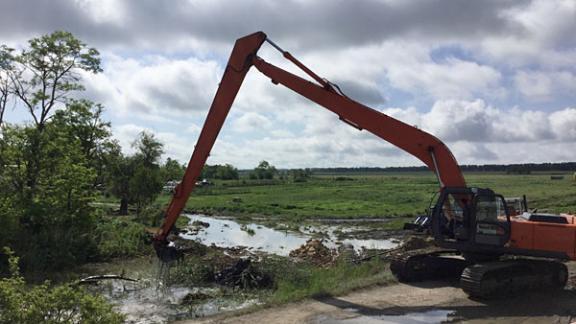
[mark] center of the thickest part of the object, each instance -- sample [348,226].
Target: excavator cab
[470,217]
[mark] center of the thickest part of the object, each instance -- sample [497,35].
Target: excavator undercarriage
[486,280]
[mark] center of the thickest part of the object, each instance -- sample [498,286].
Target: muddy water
[225,232]
[149,301]
[430,316]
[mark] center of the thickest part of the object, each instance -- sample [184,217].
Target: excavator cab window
[455,213]
[492,221]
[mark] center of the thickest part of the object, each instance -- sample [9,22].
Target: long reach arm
[420,144]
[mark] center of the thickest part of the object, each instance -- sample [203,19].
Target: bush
[22,303]
[117,237]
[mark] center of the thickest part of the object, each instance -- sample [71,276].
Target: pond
[226,232]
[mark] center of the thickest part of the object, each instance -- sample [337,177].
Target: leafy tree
[227,172]
[138,179]
[149,149]
[223,172]
[121,172]
[6,69]
[57,220]
[172,170]
[47,72]
[82,120]
[42,77]
[264,170]
[146,182]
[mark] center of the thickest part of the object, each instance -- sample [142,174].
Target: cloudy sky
[495,79]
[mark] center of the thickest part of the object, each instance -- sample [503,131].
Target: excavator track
[505,278]
[420,265]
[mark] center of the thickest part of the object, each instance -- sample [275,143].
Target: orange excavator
[499,249]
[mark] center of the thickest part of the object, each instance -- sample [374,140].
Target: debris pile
[195,298]
[198,223]
[243,274]
[195,227]
[314,251]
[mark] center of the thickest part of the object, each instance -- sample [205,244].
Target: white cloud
[155,86]
[543,35]
[475,132]
[250,122]
[451,68]
[563,124]
[454,120]
[544,85]
[475,121]
[453,79]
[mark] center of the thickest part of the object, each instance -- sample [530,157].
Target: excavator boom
[427,148]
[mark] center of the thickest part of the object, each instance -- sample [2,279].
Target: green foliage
[149,149]
[54,61]
[263,171]
[300,175]
[22,303]
[298,281]
[223,172]
[82,122]
[118,237]
[145,185]
[193,272]
[54,214]
[137,179]
[6,69]
[172,170]
[121,169]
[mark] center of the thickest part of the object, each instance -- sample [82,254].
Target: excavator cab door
[451,216]
[490,219]
[471,216]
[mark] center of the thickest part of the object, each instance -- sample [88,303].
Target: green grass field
[368,196]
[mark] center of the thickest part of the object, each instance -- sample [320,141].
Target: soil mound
[314,251]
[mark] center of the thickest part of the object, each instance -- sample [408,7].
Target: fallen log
[94,279]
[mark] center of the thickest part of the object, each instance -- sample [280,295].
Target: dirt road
[431,302]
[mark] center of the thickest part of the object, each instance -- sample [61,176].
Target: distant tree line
[222,172]
[509,168]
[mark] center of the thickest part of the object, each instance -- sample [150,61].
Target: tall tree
[146,182]
[137,179]
[172,170]
[149,148]
[42,77]
[121,171]
[82,120]
[6,69]
[264,170]
[48,71]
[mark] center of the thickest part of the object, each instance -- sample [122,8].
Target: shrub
[117,237]
[22,303]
